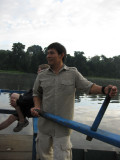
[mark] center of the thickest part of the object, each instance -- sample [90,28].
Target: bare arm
[37,103]
[96,89]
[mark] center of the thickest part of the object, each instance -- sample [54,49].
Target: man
[54,92]
[22,104]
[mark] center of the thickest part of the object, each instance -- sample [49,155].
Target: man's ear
[62,55]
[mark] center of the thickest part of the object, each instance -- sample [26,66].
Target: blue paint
[11,91]
[35,131]
[34,146]
[35,121]
[101,135]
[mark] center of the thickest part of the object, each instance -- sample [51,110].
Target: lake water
[86,109]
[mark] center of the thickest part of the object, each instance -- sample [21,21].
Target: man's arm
[37,103]
[96,89]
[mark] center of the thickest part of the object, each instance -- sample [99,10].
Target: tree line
[27,61]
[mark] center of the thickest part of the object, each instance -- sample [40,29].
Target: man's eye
[50,52]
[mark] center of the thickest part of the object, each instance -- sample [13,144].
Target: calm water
[86,109]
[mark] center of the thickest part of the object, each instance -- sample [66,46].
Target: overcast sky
[91,26]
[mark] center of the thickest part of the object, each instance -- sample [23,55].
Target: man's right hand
[34,112]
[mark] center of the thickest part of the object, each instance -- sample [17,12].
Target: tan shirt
[58,95]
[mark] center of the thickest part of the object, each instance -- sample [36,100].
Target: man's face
[53,57]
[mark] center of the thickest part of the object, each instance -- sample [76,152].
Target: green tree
[37,57]
[18,56]
[4,59]
[116,66]
[94,66]
[69,60]
[18,59]
[80,62]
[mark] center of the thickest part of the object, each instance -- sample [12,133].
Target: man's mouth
[50,59]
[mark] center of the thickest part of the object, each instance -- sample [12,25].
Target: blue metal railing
[11,91]
[99,134]
[35,131]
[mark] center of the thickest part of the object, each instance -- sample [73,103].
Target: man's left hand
[113,91]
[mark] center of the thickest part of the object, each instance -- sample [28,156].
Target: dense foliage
[28,61]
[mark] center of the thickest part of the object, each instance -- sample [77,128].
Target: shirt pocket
[67,86]
[46,86]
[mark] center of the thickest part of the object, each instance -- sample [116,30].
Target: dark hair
[59,48]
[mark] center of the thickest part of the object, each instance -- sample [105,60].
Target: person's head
[56,51]
[42,66]
[13,98]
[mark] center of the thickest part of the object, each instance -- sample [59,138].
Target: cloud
[87,25]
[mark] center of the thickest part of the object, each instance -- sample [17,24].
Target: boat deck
[19,147]
[16,147]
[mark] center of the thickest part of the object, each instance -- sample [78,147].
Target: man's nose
[48,55]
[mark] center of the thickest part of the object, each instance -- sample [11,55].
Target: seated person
[22,104]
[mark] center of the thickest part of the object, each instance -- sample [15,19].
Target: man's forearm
[96,89]
[37,101]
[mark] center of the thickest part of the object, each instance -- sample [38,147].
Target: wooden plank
[16,142]
[16,147]
[15,155]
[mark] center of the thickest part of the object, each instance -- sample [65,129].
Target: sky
[91,26]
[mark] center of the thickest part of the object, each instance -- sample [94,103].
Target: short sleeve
[81,83]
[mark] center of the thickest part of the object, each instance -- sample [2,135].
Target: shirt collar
[65,67]
[62,69]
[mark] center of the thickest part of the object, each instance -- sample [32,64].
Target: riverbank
[19,72]
[11,72]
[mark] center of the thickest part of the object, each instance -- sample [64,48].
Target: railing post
[34,147]
[35,130]
[99,115]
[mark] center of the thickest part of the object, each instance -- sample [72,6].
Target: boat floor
[16,147]
[19,147]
